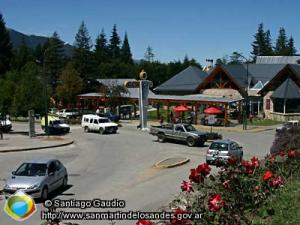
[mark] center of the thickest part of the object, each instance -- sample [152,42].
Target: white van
[98,124]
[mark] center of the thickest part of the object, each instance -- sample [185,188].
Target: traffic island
[172,162]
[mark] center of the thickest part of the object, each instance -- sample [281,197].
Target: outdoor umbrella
[212,110]
[181,108]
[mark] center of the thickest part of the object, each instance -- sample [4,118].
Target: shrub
[286,139]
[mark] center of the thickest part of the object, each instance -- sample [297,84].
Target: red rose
[203,169]
[249,166]
[267,175]
[215,203]
[276,182]
[187,186]
[255,161]
[281,154]
[144,222]
[291,154]
[232,161]
[226,184]
[177,219]
[195,176]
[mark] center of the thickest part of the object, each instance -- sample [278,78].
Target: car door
[52,179]
[96,125]
[60,173]
[180,133]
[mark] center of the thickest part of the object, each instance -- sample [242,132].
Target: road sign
[132,84]
[211,119]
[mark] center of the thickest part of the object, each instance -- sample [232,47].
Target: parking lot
[121,166]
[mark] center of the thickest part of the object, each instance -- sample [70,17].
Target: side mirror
[51,174]
[13,172]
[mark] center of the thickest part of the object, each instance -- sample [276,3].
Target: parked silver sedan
[37,178]
[220,151]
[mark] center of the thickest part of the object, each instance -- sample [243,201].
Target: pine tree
[126,55]
[149,55]
[54,56]
[281,47]
[22,55]
[101,49]
[82,53]
[5,47]
[114,44]
[262,44]
[291,48]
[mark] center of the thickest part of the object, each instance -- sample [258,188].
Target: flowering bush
[234,195]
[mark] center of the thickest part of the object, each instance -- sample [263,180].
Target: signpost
[143,86]
[211,119]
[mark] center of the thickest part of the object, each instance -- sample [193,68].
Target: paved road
[121,166]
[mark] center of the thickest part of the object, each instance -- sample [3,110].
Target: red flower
[144,222]
[291,154]
[232,161]
[267,175]
[257,188]
[195,177]
[281,154]
[203,169]
[177,218]
[276,182]
[187,186]
[272,159]
[249,166]
[255,161]
[215,203]
[226,184]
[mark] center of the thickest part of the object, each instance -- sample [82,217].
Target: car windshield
[219,146]
[31,169]
[104,121]
[189,128]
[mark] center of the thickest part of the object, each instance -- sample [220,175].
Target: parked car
[37,178]
[288,125]
[98,124]
[112,117]
[181,132]
[5,123]
[68,113]
[55,125]
[220,151]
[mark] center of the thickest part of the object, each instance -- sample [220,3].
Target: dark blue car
[112,117]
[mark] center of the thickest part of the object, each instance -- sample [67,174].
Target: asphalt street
[121,166]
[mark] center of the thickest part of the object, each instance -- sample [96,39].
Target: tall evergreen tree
[101,49]
[114,44]
[281,47]
[54,56]
[291,48]
[5,47]
[149,55]
[22,55]
[262,44]
[82,53]
[126,55]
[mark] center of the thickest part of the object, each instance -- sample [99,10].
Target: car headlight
[34,186]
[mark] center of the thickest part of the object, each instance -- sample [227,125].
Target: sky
[173,28]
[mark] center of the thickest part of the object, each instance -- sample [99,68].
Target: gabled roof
[287,90]
[187,80]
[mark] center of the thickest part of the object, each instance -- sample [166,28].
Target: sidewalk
[19,142]
[237,128]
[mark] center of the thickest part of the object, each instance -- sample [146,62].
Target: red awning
[181,108]
[213,110]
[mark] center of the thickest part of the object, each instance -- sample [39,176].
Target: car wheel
[161,138]
[190,141]
[65,182]
[86,129]
[101,130]
[44,194]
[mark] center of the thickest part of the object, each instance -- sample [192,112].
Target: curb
[37,148]
[186,160]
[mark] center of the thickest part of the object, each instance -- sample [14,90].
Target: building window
[268,104]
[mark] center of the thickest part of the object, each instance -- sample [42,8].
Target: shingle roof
[186,80]
[277,59]
[288,89]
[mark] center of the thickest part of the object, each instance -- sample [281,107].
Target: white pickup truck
[68,113]
[98,124]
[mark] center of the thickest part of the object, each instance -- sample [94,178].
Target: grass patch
[265,122]
[284,206]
